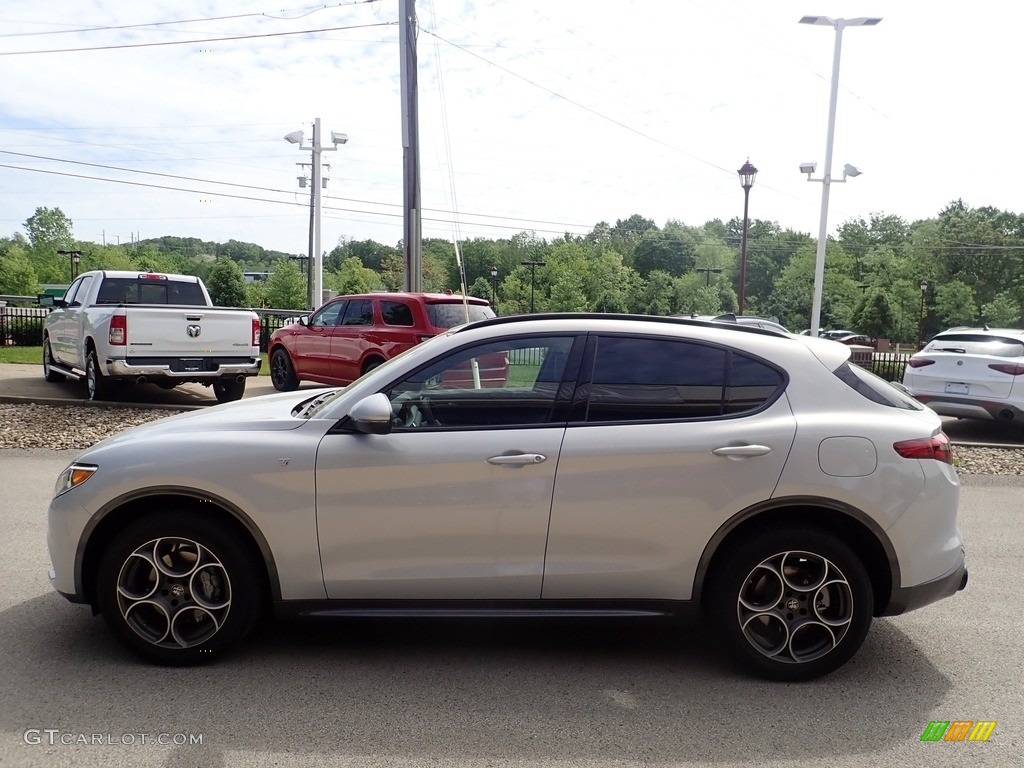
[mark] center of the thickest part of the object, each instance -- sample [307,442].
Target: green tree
[1003,311]
[955,304]
[873,315]
[286,287]
[50,229]
[352,277]
[17,275]
[227,285]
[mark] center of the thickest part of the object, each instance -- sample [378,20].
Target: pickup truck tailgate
[171,331]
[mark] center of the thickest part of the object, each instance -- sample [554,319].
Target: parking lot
[416,693]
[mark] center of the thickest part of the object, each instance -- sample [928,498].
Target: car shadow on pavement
[432,690]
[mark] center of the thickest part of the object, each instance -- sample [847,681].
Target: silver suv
[625,466]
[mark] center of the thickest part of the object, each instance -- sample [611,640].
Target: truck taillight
[119,330]
[936,447]
[255,331]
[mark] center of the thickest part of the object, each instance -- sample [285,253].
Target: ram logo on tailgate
[193,331]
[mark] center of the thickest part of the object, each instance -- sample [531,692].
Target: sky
[544,116]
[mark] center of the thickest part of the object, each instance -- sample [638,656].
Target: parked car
[854,339]
[629,467]
[971,373]
[350,335]
[116,326]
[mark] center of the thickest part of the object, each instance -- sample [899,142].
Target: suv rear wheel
[792,604]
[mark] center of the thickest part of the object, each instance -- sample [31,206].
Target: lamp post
[920,317]
[533,270]
[808,168]
[747,174]
[315,291]
[707,271]
[76,258]
[494,287]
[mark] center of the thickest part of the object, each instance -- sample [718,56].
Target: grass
[34,356]
[27,355]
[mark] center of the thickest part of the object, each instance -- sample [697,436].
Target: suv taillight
[920,362]
[255,331]
[936,447]
[118,335]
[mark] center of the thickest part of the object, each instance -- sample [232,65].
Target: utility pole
[411,214]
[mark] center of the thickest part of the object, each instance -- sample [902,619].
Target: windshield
[448,314]
[875,388]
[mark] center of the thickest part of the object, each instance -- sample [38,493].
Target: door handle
[518,459]
[742,450]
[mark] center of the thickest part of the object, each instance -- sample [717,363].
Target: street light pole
[826,179]
[316,265]
[533,267]
[747,175]
[920,317]
[494,287]
[707,271]
[76,258]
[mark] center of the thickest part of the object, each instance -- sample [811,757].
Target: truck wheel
[49,373]
[179,589]
[96,383]
[282,372]
[228,390]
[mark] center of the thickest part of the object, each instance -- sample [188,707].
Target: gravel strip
[61,428]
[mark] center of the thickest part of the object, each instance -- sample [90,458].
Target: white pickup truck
[148,327]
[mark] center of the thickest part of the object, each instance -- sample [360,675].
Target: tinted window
[506,383]
[976,344]
[875,388]
[452,313]
[751,383]
[646,379]
[359,312]
[396,313]
[328,315]
[133,290]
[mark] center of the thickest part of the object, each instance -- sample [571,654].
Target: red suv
[350,335]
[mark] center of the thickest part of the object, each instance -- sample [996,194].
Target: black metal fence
[889,365]
[23,327]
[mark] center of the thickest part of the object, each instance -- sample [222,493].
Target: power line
[199,40]
[309,12]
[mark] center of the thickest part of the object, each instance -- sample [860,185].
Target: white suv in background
[973,373]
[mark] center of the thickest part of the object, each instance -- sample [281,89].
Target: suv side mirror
[372,415]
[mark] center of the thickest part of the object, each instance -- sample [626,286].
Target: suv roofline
[661,319]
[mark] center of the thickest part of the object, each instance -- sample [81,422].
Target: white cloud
[558,115]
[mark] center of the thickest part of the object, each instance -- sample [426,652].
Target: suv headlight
[72,477]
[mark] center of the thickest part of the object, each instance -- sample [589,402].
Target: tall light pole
[707,271]
[316,262]
[920,316]
[747,175]
[76,258]
[808,168]
[533,267]
[494,287]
